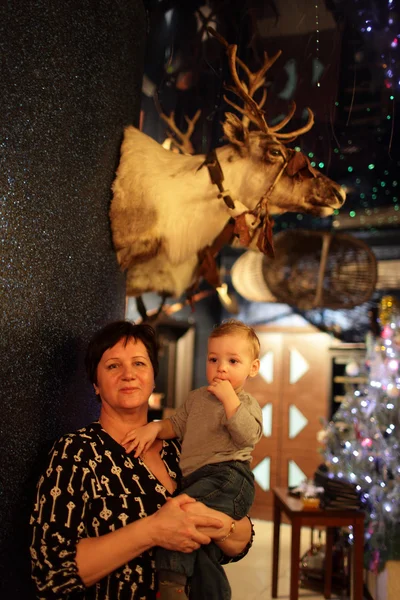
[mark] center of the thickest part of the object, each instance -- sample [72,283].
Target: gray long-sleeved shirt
[209,437]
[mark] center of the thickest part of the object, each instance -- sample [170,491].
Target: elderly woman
[99,511]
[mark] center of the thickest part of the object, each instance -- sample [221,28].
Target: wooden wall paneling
[299,385]
[305,395]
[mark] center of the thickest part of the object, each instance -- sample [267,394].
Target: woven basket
[318,269]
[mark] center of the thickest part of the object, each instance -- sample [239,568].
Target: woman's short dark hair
[111,334]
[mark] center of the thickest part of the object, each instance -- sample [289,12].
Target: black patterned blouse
[92,487]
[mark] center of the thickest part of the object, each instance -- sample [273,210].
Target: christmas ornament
[352,369]
[392,391]
[389,308]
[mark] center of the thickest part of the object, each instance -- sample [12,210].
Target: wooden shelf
[348,379]
[341,355]
[339,399]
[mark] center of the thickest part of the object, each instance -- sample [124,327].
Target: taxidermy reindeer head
[167,208]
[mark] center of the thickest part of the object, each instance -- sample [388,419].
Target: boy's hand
[223,390]
[140,439]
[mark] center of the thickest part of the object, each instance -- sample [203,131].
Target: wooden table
[299,517]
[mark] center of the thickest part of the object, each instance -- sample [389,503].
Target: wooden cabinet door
[305,400]
[292,388]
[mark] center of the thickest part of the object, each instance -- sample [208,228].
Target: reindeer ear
[234,130]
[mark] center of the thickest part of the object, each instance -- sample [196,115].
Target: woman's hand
[237,540]
[170,527]
[141,439]
[175,528]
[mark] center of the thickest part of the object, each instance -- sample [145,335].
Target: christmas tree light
[361,445]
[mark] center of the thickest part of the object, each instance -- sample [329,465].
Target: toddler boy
[219,425]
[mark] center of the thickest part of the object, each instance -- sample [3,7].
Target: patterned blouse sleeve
[57,520]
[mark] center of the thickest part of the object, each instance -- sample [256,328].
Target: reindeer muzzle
[299,167]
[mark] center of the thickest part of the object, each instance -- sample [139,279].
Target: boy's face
[231,357]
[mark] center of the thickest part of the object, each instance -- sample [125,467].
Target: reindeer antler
[185,145]
[252,111]
[256,79]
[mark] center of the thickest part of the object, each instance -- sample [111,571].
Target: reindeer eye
[274,153]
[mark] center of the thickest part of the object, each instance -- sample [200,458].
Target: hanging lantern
[248,279]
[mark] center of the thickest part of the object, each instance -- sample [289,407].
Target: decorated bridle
[257,221]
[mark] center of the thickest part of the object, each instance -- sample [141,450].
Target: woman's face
[125,377]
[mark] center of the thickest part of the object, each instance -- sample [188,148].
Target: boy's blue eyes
[233,361]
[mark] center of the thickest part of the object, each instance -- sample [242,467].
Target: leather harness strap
[207,266]
[217,177]
[296,165]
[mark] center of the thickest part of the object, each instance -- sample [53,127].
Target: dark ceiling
[340,58]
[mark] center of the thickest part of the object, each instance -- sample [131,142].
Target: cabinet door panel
[294,392]
[304,402]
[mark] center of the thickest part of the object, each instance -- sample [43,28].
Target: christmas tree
[361,444]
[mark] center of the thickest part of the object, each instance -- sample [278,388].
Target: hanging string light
[317,41]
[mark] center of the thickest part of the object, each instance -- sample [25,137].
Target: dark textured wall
[70,80]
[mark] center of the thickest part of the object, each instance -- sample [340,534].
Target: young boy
[219,425]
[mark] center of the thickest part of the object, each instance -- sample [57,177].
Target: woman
[99,511]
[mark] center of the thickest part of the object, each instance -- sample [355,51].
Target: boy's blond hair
[235,327]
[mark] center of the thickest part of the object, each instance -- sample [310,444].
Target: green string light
[350,169]
[371,166]
[321,165]
[352,213]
